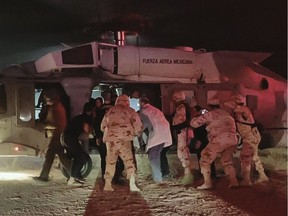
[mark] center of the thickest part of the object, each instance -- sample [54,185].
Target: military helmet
[123,100]
[239,99]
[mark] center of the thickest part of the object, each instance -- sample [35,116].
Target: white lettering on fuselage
[183,61]
[150,61]
[166,61]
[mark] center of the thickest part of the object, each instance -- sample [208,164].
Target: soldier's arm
[199,121]
[242,112]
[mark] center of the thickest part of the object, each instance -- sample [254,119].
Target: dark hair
[92,100]
[88,107]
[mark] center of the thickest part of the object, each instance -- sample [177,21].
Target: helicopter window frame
[3,101]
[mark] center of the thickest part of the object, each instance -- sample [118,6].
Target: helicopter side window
[3,99]
[25,113]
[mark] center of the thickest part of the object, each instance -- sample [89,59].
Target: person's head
[235,100]
[135,94]
[178,96]
[143,101]
[106,96]
[99,101]
[122,100]
[88,108]
[113,99]
[52,96]
[239,99]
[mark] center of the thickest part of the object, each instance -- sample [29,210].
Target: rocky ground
[27,197]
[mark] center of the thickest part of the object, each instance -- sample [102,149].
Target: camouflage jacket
[217,122]
[121,123]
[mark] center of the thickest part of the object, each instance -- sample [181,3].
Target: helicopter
[90,70]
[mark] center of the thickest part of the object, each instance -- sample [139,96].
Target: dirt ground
[27,197]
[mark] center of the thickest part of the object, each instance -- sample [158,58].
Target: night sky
[31,28]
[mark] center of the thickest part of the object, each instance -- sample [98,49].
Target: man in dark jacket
[80,125]
[58,121]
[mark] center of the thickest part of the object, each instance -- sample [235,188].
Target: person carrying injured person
[250,137]
[183,133]
[120,124]
[221,132]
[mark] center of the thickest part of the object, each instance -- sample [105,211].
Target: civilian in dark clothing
[200,140]
[80,125]
[59,121]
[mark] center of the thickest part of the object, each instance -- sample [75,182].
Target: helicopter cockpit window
[81,55]
[3,99]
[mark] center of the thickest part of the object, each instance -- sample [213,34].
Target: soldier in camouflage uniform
[180,124]
[250,138]
[120,124]
[221,131]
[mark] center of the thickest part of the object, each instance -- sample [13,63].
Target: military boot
[232,177]
[207,181]
[108,186]
[246,179]
[262,178]
[186,179]
[132,184]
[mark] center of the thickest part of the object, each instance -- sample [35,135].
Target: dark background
[30,28]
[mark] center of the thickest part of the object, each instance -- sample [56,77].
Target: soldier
[180,125]
[120,124]
[250,137]
[221,131]
[100,111]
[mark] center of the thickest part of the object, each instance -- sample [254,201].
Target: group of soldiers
[121,124]
[223,126]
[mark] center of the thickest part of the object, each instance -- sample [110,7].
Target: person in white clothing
[159,135]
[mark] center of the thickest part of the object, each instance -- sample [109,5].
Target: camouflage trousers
[124,150]
[224,145]
[249,151]
[183,152]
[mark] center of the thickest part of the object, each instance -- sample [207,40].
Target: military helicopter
[88,70]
